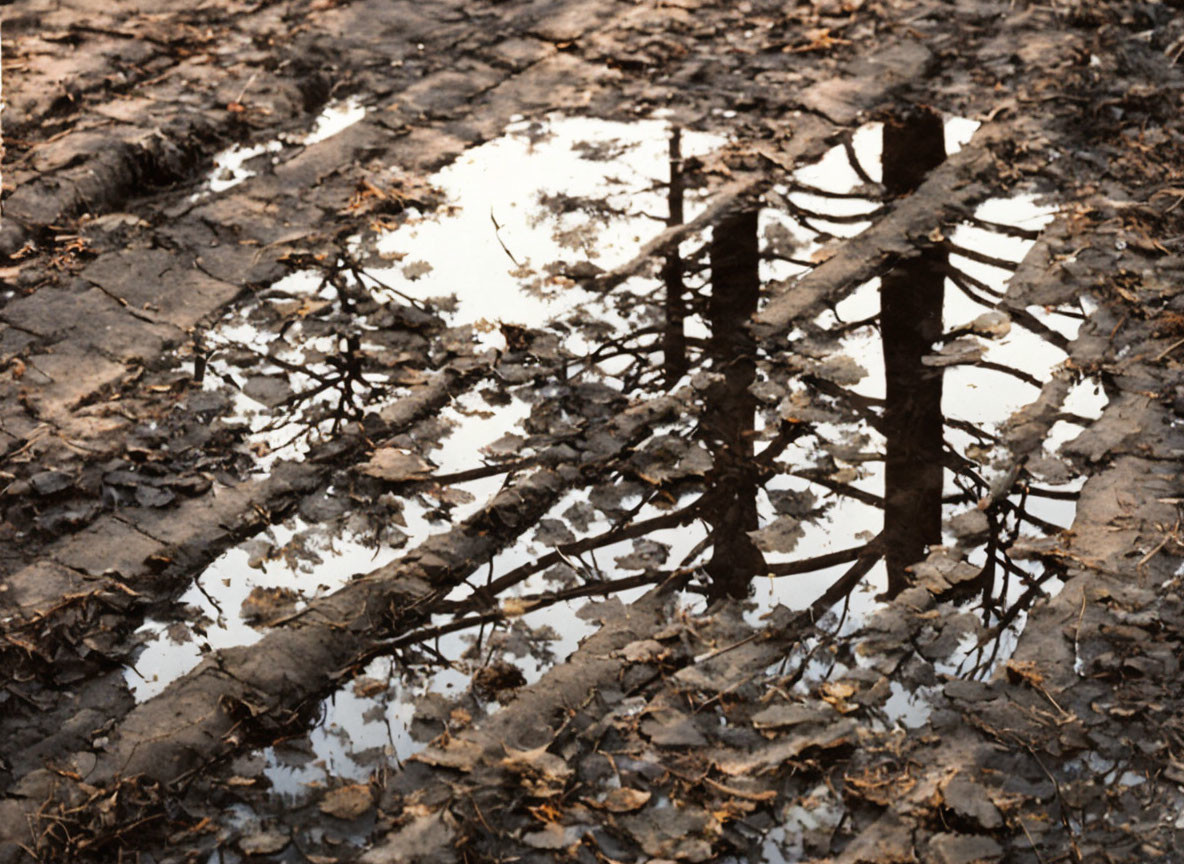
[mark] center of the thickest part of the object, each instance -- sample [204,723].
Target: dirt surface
[601,431]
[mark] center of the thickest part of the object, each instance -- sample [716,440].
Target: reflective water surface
[840,454]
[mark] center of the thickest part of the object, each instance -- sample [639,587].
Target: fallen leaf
[263,843]
[961,351]
[624,800]
[553,836]
[364,688]
[452,753]
[347,802]
[513,607]
[777,752]
[645,651]
[1024,670]
[543,774]
[993,324]
[460,717]
[266,604]
[396,465]
[784,715]
[780,535]
[836,693]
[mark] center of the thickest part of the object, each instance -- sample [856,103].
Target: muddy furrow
[177,86]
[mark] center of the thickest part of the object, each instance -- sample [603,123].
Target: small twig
[497,233]
[1166,351]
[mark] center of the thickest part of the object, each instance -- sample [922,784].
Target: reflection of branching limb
[358,274]
[852,326]
[1057,494]
[533,602]
[802,214]
[839,589]
[969,284]
[971,429]
[277,361]
[349,374]
[789,259]
[1018,374]
[484,471]
[1023,515]
[980,257]
[965,288]
[1023,575]
[830,559]
[787,433]
[817,476]
[995,633]
[497,232]
[1000,228]
[964,470]
[628,531]
[863,406]
[799,186]
[853,160]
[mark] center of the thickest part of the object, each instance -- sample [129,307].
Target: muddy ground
[603,431]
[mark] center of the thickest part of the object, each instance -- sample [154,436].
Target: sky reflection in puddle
[529,211]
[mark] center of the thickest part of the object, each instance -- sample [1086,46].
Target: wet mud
[518,465]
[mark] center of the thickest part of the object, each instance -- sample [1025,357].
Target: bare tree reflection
[910,322]
[730,411]
[674,340]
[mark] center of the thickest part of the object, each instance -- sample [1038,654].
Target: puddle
[858,444]
[794,516]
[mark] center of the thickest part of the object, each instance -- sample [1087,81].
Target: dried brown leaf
[347,802]
[396,465]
